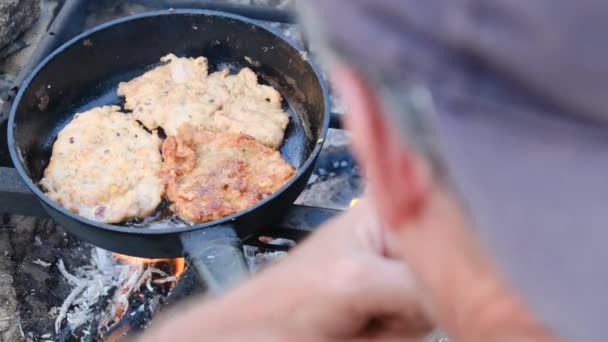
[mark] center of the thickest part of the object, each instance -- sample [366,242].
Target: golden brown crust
[211,175]
[105,167]
[251,109]
[181,92]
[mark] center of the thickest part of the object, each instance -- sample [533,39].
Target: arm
[335,286]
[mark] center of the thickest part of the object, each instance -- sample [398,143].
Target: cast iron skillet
[85,73]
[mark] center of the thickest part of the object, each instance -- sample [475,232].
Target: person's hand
[339,285]
[335,286]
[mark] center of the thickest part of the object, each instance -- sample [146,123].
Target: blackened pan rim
[15,154]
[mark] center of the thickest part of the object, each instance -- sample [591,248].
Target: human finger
[384,292]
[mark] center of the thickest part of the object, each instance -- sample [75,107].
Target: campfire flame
[179,264]
[134,281]
[141,274]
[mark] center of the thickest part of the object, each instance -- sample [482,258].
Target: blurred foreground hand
[336,286]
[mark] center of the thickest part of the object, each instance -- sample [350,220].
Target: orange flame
[179,264]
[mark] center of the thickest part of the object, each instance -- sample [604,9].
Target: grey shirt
[521,89]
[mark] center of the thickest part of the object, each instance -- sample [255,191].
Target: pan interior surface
[86,74]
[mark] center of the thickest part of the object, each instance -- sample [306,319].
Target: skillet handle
[217,256]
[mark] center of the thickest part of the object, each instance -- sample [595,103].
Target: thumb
[391,299]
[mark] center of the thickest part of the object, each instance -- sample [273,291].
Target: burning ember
[145,271]
[113,289]
[178,264]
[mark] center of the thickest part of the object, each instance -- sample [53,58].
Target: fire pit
[54,287]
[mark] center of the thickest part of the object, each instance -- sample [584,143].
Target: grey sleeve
[516,81]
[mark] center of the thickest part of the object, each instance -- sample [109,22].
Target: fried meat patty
[251,108]
[209,175]
[181,91]
[105,167]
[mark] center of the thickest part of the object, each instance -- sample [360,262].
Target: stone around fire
[15,17]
